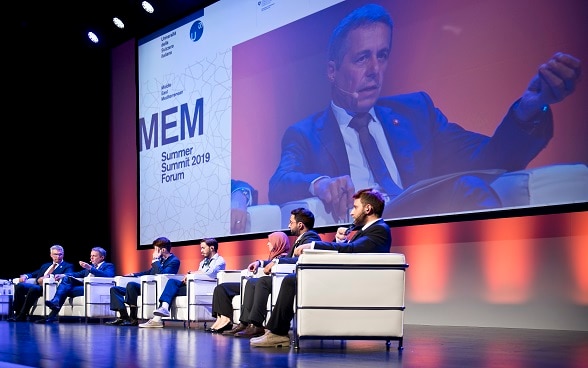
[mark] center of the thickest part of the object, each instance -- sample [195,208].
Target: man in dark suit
[26,292]
[70,286]
[257,290]
[163,262]
[325,155]
[373,236]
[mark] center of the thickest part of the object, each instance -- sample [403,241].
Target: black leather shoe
[17,318]
[130,322]
[116,322]
[52,304]
[240,327]
[251,331]
[226,327]
[47,320]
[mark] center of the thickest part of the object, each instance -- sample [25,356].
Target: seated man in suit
[27,293]
[391,143]
[163,262]
[209,266]
[373,236]
[70,286]
[257,290]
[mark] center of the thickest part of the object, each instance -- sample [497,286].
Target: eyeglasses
[57,254]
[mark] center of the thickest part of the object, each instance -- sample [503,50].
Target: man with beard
[373,236]
[257,290]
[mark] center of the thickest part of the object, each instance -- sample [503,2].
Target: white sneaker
[270,340]
[162,312]
[152,323]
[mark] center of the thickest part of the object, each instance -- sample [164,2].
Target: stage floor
[95,345]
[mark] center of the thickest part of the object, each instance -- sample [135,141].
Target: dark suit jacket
[64,267]
[106,270]
[375,239]
[171,265]
[423,142]
[307,237]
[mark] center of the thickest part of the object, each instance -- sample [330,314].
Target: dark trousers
[222,299]
[283,312]
[25,296]
[172,289]
[68,287]
[256,294]
[120,295]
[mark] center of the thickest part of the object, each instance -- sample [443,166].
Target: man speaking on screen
[392,143]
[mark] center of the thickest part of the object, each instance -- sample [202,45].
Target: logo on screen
[196,31]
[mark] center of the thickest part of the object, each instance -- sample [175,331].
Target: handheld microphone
[349,229]
[354,95]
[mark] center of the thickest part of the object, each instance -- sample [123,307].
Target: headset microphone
[355,95]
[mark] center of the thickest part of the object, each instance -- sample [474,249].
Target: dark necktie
[370,149]
[51,269]
[291,252]
[207,262]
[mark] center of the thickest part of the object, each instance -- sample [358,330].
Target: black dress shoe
[251,331]
[116,322]
[17,318]
[130,322]
[47,320]
[226,327]
[51,304]
[240,327]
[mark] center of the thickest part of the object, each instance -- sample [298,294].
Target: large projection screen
[218,90]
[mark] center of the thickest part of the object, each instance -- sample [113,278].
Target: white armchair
[232,276]
[196,305]
[278,273]
[95,303]
[49,287]
[151,288]
[358,296]
[6,295]
[122,281]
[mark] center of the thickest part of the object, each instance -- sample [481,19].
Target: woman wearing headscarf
[222,308]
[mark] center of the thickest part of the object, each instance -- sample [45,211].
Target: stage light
[93,37]
[119,23]
[147,6]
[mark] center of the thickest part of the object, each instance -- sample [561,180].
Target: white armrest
[263,217]
[351,258]
[283,268]
[552,184]
[228,276]
[199,276]
[147,278]
[124,280]
[98,280]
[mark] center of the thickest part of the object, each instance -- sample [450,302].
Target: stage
[95,345]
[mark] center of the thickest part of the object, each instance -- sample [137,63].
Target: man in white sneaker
[210,266]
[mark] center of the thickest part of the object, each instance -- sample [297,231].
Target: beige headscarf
[281,245]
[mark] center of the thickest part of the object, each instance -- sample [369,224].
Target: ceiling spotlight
[117,22]
[92,36]
[147,6]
